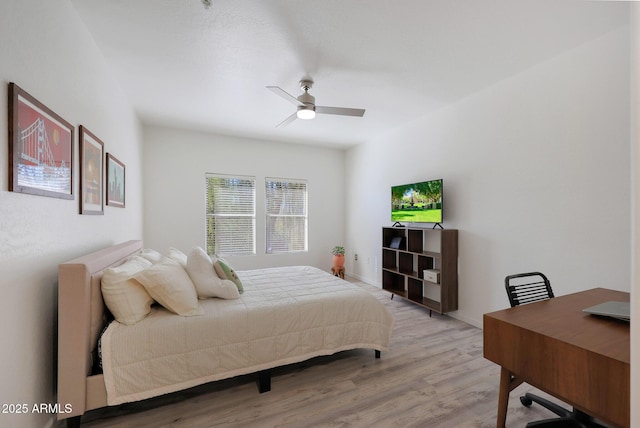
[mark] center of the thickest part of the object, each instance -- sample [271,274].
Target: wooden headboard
[81,318]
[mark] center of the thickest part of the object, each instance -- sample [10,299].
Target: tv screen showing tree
[417,202]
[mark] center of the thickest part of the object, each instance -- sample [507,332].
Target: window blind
[286,215]
[231,214]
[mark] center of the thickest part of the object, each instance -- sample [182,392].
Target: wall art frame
[115,182]
[91,173]
[40,148]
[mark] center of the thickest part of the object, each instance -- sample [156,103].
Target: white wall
[536,177]
[174,175]
[48,52]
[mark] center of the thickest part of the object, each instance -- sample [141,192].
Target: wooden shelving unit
[407,252]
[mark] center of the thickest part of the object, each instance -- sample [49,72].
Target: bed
[285,315]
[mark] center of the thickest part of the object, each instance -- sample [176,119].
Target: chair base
[567,418]
[556,423]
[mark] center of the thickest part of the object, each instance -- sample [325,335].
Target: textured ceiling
[203,68]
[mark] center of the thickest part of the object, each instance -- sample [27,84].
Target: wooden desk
[581,359]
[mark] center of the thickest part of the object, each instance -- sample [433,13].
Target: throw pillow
[125,297]
[204,277]
[225,271]
[152,255]
[169,284]
[178,256]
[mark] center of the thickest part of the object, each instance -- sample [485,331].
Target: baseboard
[366,280]
[464,319]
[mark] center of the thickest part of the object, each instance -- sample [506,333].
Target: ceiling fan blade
[340,110]
[287,121]
[284,94]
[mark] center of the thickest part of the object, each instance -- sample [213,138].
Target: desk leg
[507,383]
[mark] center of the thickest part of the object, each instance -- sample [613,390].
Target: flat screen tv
[417,202]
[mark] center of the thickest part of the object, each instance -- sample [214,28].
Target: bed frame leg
[73,422]
[264,381]
[377,353]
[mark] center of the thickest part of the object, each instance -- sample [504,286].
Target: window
[286,215]
[231,214]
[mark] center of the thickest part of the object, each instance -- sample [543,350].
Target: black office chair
[523,288]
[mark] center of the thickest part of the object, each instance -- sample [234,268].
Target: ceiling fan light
[306,113]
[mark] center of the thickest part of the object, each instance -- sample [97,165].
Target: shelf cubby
[395,283]
[405,263]
[389,259]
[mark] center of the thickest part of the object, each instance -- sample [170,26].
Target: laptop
[618,310]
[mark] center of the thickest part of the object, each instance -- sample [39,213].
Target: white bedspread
[285,315]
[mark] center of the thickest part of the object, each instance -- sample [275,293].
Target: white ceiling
[203,68]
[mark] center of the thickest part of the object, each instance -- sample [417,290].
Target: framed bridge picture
[40,148]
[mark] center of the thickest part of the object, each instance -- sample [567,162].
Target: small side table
[338,271]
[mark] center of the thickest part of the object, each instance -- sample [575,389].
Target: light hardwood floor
[434,375]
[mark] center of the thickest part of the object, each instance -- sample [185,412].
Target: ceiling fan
[307,107]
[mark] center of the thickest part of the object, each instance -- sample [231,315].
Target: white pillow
[152,255]
[169,284]
[204,277]
[178,256]
[125,297]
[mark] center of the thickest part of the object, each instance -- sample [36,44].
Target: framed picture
[40,148]
[91,173]
[115,182]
